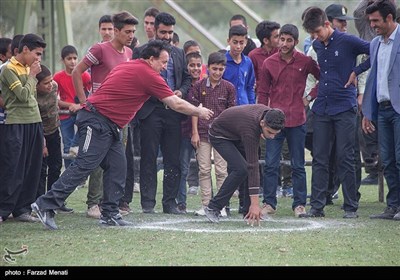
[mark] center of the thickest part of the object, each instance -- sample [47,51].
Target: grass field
[169,240]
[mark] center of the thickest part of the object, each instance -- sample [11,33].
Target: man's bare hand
[367,125]
[352,80]
[178,93]
[74,108]
[205,113]
[254,215]
[35,69]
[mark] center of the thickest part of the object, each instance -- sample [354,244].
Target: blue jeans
[69,137]
[185,156]
[389,143]
[296,137]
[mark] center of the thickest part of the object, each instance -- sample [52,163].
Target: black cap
[337,11]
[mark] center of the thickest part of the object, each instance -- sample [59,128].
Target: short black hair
[15,43]
[384,7]
[164,18]
[237,30]
[123,18]
[193,55]
[188,44]
[31,41]
[290,29]
[105,19]
[151,12]
[314,17]
[154,48]
[67,50]
[175,38]
[274,118]
[264,30]
[216,58]
[44,73]
[238,17]
[4,44]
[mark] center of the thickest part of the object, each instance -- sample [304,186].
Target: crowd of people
[247,104]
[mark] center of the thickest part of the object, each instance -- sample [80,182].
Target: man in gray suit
[381,100]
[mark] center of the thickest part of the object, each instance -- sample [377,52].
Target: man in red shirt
[282,84]
[104,114]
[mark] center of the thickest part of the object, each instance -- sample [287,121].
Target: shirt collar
[208,83]
[391,37]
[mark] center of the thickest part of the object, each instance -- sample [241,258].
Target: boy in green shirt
[21,142]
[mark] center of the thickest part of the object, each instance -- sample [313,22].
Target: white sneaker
[200,212]
[223,212]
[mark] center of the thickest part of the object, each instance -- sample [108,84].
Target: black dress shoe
[314,214]
[173,211]
[370,180]
[387,214]
[148,211]
[350,215]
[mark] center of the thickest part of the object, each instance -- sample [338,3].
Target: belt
[93,109]
[385,103]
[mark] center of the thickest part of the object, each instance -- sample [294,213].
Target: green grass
[168,240]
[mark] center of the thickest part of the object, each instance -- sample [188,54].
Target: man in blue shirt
[336,111]
[239,68]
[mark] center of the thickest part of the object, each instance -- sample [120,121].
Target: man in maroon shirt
[106,111]
[282,84]
[235,134]
[268,34]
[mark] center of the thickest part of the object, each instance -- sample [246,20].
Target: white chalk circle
[202,225]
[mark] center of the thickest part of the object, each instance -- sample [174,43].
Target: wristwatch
[308,97]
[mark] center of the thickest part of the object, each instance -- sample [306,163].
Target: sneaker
[73,151]
[93,212]
[300,211]
[64,210]
[223,212]
[124,207]
[1,219]
[27,217]
[200,212]
[267,210]
[212,215]
[193,190]
[182,207]
[114,221]
[395,217]
[136,188]
[388,214]
[174,210]
[350,215]
[46,217]
[370,180]
[123,212]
